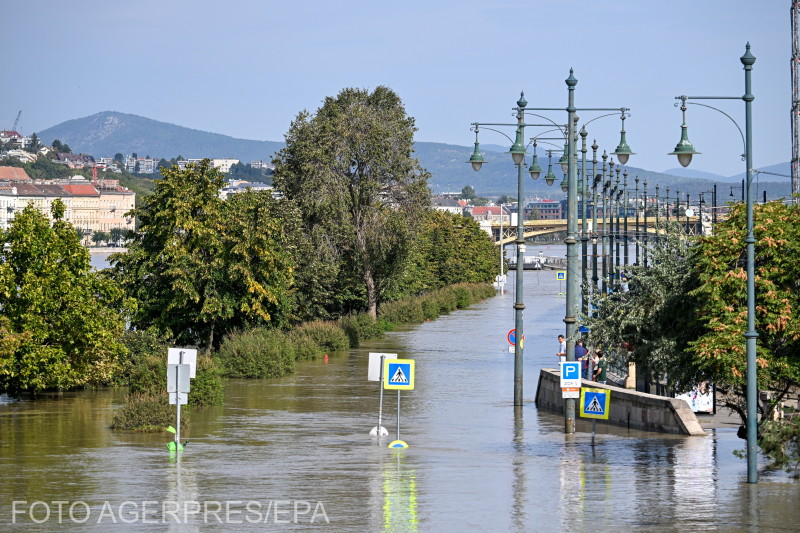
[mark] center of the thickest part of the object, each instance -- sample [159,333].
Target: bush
[207,387]
[257,353]
[148,412]
[361,327]
[143,368]
[304,347]
[327,334]
[405,311]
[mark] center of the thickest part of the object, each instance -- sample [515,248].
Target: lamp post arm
[741,134]
[627,115]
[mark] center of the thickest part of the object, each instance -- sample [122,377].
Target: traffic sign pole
[380,404]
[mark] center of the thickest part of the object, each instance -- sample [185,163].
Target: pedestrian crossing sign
[595,403]
[398,374]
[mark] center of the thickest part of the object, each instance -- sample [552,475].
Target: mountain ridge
[107,133]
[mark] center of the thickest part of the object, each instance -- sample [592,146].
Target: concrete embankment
[628,408]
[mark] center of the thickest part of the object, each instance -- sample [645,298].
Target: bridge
[504,233]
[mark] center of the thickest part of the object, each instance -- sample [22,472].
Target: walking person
[562,348]
[600,367]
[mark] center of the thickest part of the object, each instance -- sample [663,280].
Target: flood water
[294,454]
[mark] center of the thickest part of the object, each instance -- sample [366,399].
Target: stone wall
[628,408]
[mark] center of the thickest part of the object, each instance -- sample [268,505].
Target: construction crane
[795,118]
[16,122]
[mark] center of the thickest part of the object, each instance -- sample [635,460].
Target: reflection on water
[295,453]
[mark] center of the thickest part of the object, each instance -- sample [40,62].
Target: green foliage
[722,303]
[207,386]
[61,321]
[360,327]
[256,353]
[148,412]
[201,267]
[654,320]
[350,170]
[329,335]
[413,310]
[779,440]
[449,249]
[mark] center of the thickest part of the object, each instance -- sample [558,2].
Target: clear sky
[245,68]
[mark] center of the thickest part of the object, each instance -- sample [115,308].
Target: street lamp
[517,151]
[751,334]
[636,211]
[646,231]
[569,165]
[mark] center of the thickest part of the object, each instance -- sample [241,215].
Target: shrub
[405,311]
[327,334]
[360,327]
[148,412]
[207,387]
[256,353]
[143,367]
[304,347]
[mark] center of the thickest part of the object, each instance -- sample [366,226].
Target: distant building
[238,186]
[491,214]
[448,205]
[224,164]
[14,174]
[544,209]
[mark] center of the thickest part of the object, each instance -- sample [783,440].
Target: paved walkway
[725,418]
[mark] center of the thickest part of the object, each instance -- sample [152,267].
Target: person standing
[600,368]
[581,354]
[562,348]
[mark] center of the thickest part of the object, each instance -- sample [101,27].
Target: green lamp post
[517,152]
[685,150]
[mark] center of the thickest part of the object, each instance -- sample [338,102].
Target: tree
[100,236]
[61,321]
[449,249]
[119,158]
[57,146]
[652,324]
[35,144]
[505,200]
[116,234]
[199,266]
[350,171]
[722,305]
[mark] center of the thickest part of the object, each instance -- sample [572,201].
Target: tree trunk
[372,294]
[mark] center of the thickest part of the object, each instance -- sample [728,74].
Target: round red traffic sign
[512,337]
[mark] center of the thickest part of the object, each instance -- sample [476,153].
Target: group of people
[594,365]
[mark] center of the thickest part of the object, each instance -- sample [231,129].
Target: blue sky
[245,68]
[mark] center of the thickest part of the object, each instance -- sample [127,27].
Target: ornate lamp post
[685,150]
[625,205]
[636,226]
[517,151]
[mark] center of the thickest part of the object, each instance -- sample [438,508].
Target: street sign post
[595,404]
[398,374]
[181,368]
[570,379]
[375,373]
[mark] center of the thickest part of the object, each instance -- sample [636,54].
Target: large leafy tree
[350,170]
[450,249]
[61,322]
[652,323]
[722,304]
[200,266]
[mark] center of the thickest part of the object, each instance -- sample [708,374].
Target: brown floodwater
[294,454]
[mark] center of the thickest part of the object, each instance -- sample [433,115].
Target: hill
[108,133]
